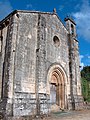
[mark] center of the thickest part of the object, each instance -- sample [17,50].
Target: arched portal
[56,82]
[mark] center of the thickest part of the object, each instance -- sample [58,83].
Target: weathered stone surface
[37,51]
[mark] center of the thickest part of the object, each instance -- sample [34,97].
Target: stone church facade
[39,64]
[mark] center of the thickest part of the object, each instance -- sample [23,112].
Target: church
[39,64]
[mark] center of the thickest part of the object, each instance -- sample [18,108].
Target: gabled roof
[71,19]
[27,11]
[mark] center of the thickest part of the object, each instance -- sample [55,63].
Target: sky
[77,9]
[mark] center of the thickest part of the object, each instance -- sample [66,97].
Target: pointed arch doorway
[56,76]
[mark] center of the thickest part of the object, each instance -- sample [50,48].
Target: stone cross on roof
[54,10]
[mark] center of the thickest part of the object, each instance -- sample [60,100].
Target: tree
[85,80]
[85,73]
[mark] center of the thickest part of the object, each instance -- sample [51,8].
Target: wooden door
[52,93]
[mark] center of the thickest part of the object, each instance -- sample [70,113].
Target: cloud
[61,7]
[84,60]
[5,8]
[82,18]
[88,60]
[81,56]
[88,57]
[29,6]
[81,63]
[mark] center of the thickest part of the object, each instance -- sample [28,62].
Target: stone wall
[3,36]
[25,65]
[33,42]
[75,83]
[34,54]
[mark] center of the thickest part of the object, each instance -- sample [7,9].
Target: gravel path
[69,115]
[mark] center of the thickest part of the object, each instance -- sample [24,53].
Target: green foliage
[85,81]
[84,88]
[85,73]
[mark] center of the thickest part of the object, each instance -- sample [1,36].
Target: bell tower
[74,63]
[71,26]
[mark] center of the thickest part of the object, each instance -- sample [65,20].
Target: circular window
[56,41]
